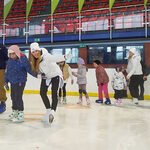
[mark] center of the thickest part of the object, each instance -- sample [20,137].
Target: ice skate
[2,107]
[59,100]
[80,101]
[99,101]
[45,117]
[88,101]
[64,100]
[13,114]
[107,102]
[135,101]
[19,117]
[51,116]
[116,102]
[120,101]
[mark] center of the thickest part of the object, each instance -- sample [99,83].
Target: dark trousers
[141,86]
[118,94]
[63,89]
[124,93]
[16,96]
[55,88]
[134,85]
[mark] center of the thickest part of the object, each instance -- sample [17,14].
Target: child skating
[118,84]
[16,75]
[67,72]
[102,82]
[81,80]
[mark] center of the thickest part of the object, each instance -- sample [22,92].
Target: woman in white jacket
[44,63]
[134,70]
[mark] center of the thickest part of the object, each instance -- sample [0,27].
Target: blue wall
[74,37]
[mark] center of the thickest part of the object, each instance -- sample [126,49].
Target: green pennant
[7,7]
[145,3]
[54,4]
[80,5]
[111,3]
[28,7]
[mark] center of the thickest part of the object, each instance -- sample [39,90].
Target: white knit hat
[133,50]
[34,47]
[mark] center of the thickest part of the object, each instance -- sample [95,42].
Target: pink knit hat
[80,61]
[14,49]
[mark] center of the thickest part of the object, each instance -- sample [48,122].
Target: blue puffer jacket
[3,56]
[17,69]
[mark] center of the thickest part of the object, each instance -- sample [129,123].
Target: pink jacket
[101,75]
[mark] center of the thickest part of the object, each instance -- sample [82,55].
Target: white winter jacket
[134,66]
[48,64]
[118,81]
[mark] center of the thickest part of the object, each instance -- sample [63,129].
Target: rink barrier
[111,95]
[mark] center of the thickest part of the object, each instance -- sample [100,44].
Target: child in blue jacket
[16,74]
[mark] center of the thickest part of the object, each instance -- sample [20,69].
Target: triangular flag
[28,7]
[111,3]
[80,5]
[7,6]
[145,3]
[54,4]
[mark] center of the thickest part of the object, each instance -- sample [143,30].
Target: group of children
[119,83]
[53,70]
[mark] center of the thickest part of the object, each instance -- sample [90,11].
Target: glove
[6,86]
[43,76]
[68,56]
[102,84]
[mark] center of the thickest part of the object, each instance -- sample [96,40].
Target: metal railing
[72,23]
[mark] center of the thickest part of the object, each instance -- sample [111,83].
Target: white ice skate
[19,117]
[46,116]
[13,114]
[135,101]
[51,116]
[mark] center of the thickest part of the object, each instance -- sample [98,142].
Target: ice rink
[76,127]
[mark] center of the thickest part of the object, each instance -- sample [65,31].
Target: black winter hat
[97,62]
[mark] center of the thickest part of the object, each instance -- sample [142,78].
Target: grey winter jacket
[81,75]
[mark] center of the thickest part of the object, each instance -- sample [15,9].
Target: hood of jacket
[44,52]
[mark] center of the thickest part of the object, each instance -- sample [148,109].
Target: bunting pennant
[145,3]
[7,7]
[54,4]
[28,7]
[80,5]
[111,3]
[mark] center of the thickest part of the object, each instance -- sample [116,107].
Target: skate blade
[51,118]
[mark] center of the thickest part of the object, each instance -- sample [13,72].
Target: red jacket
[101,75]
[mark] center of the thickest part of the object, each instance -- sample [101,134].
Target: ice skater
[135,74]
[102,82]
[16,74]
[81,80]
[45,63]
[67,72]
[3,61]
[118,84]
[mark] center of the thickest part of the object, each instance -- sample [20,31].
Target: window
[119,53]
[112,54]
[95,53]
[57,51]
[140,50]
[66,50]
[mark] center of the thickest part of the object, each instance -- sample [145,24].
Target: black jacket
[147,71]
[3,56]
